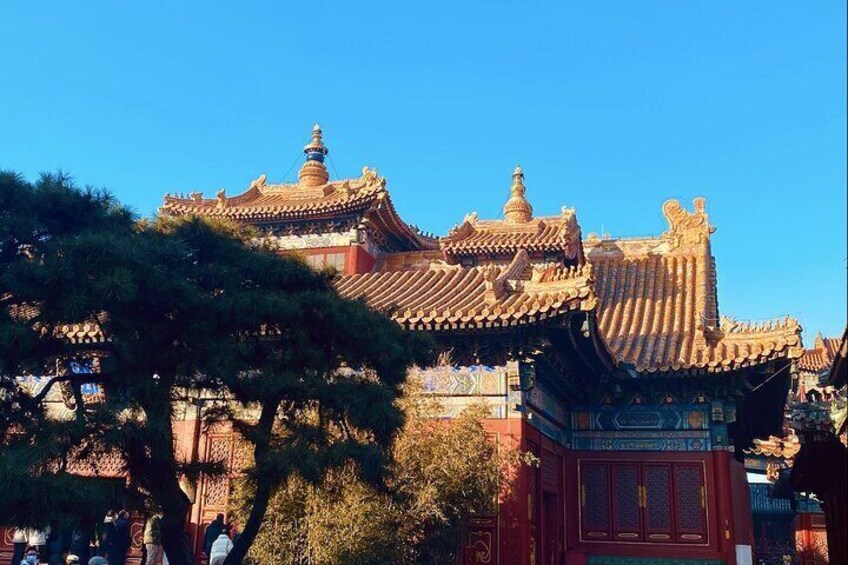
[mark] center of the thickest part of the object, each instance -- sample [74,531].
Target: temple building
[788,523]
[809,385]
[606,357]
[820,466]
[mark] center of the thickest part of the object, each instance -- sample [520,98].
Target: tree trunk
[174,540]
[251,528]
[163,482]
[264,486]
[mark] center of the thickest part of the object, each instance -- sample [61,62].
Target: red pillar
[733,519]
[724,506]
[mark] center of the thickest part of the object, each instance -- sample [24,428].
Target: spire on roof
[314,172]
[315,149]
[517,209]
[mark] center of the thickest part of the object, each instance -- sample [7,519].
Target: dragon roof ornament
[686,228]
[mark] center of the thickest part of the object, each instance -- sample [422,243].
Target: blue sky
[610,108]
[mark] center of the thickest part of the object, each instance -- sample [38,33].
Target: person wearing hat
[72,559]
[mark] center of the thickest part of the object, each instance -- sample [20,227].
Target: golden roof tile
[557,234]
[451,297]
[658,306]
[518,230]
[365,197]
[821,356]
[313,197]
[656,296]
[263,201]
[89,332]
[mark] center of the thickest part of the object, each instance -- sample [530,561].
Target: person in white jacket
[19,542]
[221,547]
[38,540]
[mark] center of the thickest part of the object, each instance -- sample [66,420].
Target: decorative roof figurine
[655,297]
[313,172]
[517,209]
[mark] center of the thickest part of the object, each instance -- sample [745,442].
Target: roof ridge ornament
[315,150]
[259,183]
[517,209]
[687,228]
[314,173]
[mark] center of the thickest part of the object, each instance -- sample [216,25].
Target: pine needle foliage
[183,306]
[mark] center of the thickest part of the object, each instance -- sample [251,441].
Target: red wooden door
[656,501]
[595,500]
[690,503]
[626,502]
[633,501]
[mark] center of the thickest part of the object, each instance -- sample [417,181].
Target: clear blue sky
[610,108]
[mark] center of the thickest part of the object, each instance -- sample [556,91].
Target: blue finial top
[315,150]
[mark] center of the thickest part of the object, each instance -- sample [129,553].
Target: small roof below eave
[537,235]
[452,297]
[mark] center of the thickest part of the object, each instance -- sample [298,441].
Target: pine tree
[181,305]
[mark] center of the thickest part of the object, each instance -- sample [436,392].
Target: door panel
[595,500]
[656,492]
[690,502]
[627,523]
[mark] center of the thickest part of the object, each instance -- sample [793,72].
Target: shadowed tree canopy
[175,307]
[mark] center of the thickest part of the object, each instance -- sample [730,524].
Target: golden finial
[315,149]
[517,209]
[314,172]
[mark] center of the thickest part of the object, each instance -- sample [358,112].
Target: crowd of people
[109,543]
[55,545]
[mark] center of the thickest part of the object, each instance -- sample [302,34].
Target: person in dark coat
[81,542]
[57,545]
[121,539]
[213,530]
[107,534]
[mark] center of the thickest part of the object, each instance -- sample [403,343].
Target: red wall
[810,536]
[526,523]
[357,259]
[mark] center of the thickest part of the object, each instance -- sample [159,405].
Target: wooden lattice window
[656,484]
[632,501]
[595,500]
[690,503]
[627,519]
